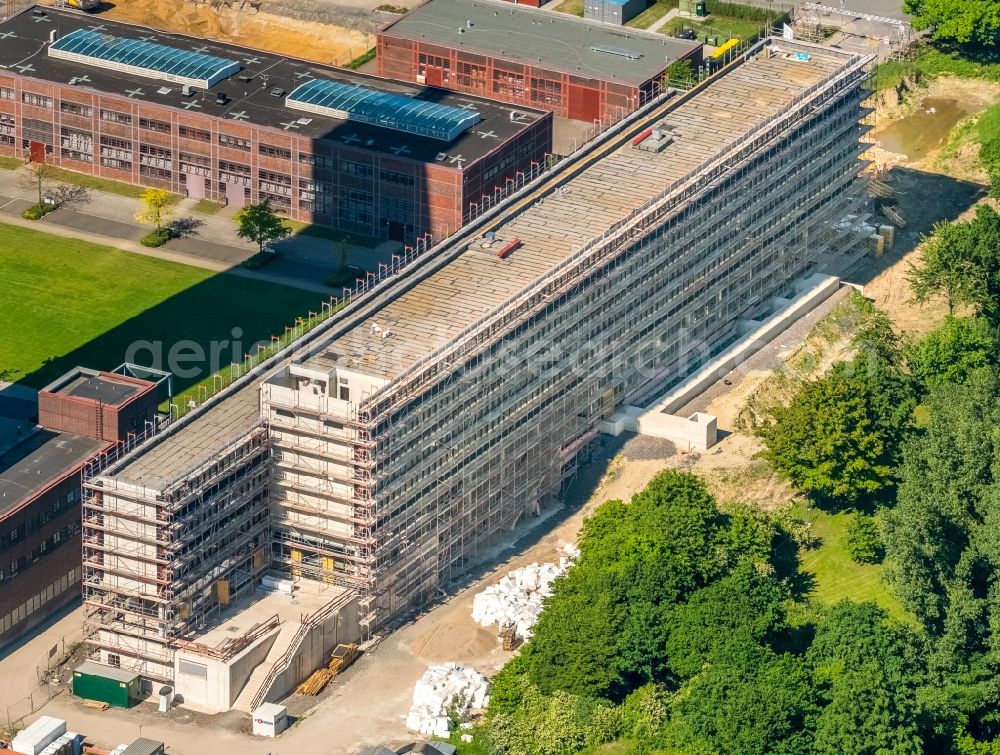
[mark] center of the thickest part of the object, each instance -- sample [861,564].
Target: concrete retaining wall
[342,626]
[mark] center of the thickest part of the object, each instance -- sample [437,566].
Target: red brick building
[80,415]
[239,138]
[578,69]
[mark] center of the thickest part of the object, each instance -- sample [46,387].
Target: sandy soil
[322,43]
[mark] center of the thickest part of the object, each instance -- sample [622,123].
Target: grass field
[720,27]
[652,14]
[835,575]
[68,303]
[573,7]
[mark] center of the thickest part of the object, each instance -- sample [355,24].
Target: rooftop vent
[620,51]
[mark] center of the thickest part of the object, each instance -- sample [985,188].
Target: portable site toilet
[107,684]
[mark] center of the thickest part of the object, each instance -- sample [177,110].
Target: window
[75,108]
[157,157]
[76,145]
[424,61]
[38,100]
[356,169]
[149,124]
[508,83]
[472,76]
[269,150]
[197,134]
[344,390]
[6,93]
[114,660]
[395,179]
[234,143]
[318,160]
[6,124]
[544,90]
[113,116]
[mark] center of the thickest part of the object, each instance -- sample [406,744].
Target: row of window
[46,515]
[48,545]
[32,604]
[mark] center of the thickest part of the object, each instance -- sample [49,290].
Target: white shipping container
[38,736]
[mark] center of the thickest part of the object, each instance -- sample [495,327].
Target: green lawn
[573,7]
[721,27]
[207,206]
[836,575]
[67,302]
[652,14]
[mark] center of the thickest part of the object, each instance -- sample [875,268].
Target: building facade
[80,415]
[575,68]
[407,436]
[237,143]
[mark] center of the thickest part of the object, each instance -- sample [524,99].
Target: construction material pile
[445,688]
[517,598]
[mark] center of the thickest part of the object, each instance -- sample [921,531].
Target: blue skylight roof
[358,103]
[143,58]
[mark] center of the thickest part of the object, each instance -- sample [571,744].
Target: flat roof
[547,39]
[24,52]
[430,313]
[102,388]
[425,312]
[108,672]
[38,460]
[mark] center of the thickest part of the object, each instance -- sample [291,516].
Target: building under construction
[387,450]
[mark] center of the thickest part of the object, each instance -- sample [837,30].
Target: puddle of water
[925,129]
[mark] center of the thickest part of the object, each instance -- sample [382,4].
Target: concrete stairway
[282,642]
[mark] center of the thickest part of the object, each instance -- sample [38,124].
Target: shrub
[346,276]
[38,211]
[259,260]
[864,544]
[157,237]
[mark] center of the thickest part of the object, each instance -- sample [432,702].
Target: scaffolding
[159,564]
[399,496]
[395,493]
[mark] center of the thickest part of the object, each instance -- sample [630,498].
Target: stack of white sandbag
[438,690]
[517,598]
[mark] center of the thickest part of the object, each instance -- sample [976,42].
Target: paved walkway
[660,23]
[108,219]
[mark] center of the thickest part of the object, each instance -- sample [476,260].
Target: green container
[699,9]
[116,687]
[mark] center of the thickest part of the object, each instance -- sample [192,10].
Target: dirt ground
[311,40]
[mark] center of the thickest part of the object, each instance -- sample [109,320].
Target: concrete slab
[307,597]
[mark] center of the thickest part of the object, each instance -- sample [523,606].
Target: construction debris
[342,657]
[894,217]
[518,597]
[880,189]
[444,691]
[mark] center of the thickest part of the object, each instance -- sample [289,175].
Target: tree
[948,268]
[963,21]
[852,636]
[950,352]
[260,224]
[37,177]
[750,701]
[746,604]
[156,208]
[863,543]
[868,714]
[947,491]
[839,438]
